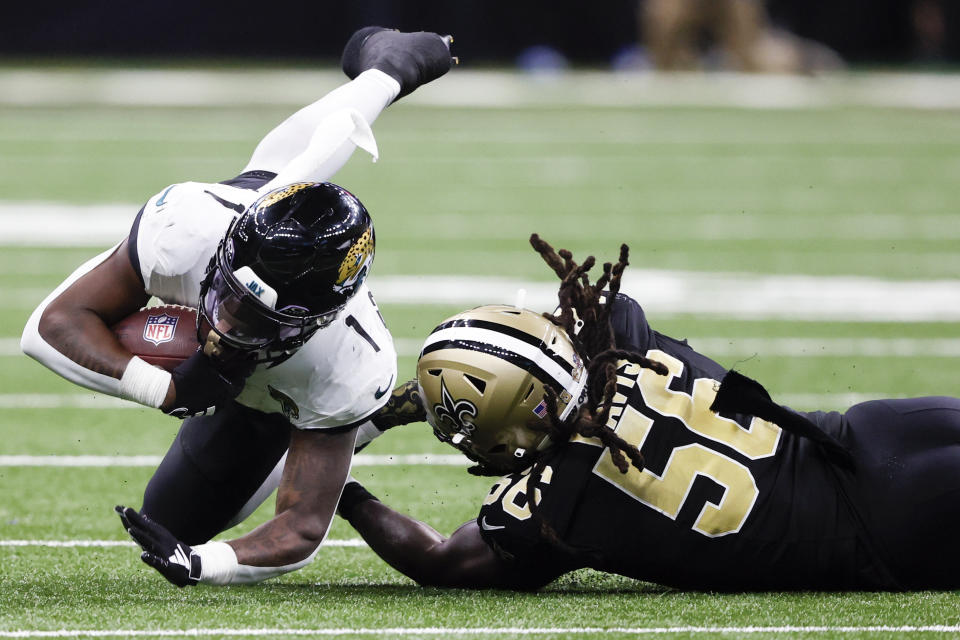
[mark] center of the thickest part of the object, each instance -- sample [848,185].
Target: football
[163,336]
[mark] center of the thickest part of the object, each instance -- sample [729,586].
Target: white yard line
[718,346]
[478,631]
[808,401]
[723,294]
[39,223]
[836,347]
[491,89]
[71,225]
[64,401]
[827,401]
[360,460]
[746,296]
[102,544]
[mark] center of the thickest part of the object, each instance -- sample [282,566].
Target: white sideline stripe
[827,401]
[719,346]
[792,347]
[360,460]
[814,347]
[470,631]
[465,88]
[54,224]
[100,402]
[727,294]
[349,542]
[41,223]
[747,296]
[65,401]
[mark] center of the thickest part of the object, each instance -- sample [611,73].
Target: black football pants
[214,466]
[907,485]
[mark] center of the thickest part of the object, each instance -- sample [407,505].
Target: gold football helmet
[483,375]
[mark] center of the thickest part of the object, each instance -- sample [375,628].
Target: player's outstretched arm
[313,477]
[316,468]
[425,556]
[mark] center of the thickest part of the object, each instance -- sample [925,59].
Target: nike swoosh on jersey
[239,208]
[379,393]
[162,200]
[489,527]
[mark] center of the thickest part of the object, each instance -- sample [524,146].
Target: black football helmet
[284,269]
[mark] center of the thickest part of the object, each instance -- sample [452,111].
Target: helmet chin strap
[212,346]
[521,298]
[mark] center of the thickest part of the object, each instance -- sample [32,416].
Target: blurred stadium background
[489,31]
[799,225]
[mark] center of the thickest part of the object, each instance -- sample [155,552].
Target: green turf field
[831,191]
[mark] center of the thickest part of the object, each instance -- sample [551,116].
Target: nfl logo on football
[159,329]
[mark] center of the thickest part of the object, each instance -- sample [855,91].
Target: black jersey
[723,502]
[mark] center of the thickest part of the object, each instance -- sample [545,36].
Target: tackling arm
[422,554]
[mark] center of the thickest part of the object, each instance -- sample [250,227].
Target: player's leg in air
[383,65]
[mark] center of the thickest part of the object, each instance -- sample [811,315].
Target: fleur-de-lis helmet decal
[459,414]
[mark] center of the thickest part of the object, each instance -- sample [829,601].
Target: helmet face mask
[241,321]
[483,376]
[284,269]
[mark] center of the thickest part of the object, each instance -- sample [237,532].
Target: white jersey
[343,373]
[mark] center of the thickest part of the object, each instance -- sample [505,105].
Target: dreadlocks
[586,319]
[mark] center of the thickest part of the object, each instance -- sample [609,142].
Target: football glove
[203,383]
[403,407]
[175,560]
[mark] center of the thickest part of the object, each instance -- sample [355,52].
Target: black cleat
[412,59]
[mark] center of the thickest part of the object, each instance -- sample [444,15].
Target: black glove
[174,560]
[203,383]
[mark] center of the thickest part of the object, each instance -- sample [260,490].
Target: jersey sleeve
[631,330]
[173,238]
[510,530]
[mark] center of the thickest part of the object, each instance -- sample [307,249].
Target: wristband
[218,562]
[219,566]
[144,383]
[353,495]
